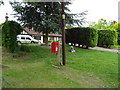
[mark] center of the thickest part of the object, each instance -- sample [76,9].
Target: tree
[103,24]
[117,27]
[1,2]
[45,17]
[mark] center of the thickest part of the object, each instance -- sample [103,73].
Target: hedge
[10,30]
[84,36]
[106,38]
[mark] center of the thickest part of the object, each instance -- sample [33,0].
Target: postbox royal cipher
[55,47]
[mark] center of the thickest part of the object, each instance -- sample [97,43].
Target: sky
[106,9]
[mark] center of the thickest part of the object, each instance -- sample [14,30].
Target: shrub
[84,36]
[10,30]
[106,38]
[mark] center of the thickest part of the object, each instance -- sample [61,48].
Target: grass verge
[32,68]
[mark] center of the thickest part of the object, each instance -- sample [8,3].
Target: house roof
[33,32]
[55,35]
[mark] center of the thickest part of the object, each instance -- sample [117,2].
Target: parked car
[26,39]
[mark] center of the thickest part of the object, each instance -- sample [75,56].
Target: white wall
[41,39]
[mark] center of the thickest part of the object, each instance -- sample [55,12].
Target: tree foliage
[117,27]
[45,17]
[103,24]
[1,3]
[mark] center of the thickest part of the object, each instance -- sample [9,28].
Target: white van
[26,39]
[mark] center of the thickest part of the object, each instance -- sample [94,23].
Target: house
[39,36]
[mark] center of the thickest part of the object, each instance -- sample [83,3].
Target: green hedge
[106,38]
[10,30]
[84,36]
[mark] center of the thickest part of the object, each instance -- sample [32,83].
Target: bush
[10,30]
[84,36]
[106,38]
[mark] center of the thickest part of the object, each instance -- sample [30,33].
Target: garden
[31,65]
[34,65]
[32,68]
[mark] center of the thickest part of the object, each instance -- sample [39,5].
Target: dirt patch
[85,80]
[4,67]
[24,56]
[21,56]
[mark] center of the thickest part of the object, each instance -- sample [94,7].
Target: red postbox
[55,47]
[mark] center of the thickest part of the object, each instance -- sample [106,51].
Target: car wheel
[32,42]
[18,42]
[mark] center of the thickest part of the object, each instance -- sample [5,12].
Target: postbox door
[55,47]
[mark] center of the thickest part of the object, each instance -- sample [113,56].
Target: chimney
[6,17]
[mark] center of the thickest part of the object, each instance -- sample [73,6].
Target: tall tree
[45,16]
[103,24]
[1,2]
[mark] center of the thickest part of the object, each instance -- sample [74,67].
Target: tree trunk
[45,38]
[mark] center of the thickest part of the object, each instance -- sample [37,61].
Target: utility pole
[63,33]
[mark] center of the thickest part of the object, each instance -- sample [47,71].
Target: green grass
[84,69]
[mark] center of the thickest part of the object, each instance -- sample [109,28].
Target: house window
[37,37]
[60,39]
[51,38]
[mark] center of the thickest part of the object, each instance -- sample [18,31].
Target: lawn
[32,68]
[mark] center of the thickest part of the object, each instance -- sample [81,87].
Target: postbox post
[59,63]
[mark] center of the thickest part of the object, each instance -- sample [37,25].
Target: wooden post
[63,33]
